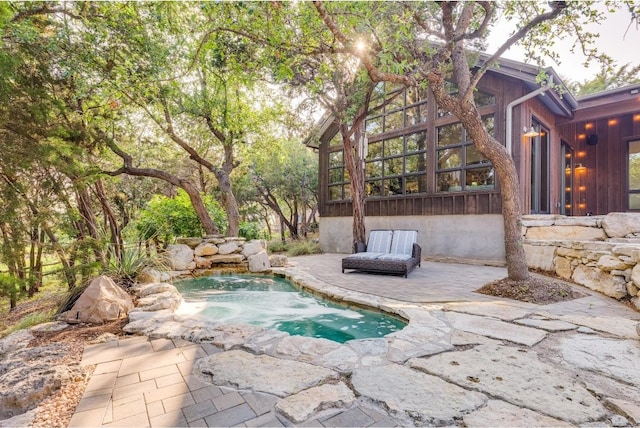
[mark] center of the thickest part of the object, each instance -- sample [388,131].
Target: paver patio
[155,382]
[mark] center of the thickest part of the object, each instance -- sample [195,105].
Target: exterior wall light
[531,132]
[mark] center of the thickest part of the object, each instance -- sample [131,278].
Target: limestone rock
[547,324]
[635,275]
[259,262]
[225,259]
[228,248]
[632,289]
[262,373]
[155,288]
[588,353]
[29,375]
[278,260]
[496,329]
[191,242]
[409,393]
[180,256]
[518,377]
[540,257]
[206,249]
[202,262]
[16,340]
[590,277]
[102,301]
[500,414]
[608,263]
[621,225]
[165,300]
[563,267]
[301,406]
[305,348]
[153,275]
[572,233]
[253,247]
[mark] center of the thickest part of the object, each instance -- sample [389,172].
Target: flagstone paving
[464,359]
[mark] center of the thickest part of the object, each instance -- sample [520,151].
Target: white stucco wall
[464,237]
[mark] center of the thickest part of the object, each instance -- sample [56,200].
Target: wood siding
[605,178]
[601,188]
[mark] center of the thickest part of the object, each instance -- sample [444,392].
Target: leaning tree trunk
[355,167]
[517,268]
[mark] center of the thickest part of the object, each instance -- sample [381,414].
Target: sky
[622,48]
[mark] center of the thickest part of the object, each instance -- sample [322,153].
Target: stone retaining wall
[201,256]
[599,252]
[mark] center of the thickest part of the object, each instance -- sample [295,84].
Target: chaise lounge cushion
[403,241]
[388,251]
[380,241]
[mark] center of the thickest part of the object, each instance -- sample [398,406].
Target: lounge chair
[388,251]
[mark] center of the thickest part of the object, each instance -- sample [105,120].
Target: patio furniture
[388,251]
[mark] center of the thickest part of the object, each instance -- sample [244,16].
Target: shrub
[167,218]
[302,248]
[251,230]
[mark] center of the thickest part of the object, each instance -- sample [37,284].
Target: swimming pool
[275,303]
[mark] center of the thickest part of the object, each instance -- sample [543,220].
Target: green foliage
[608,78]
[167,218]
[295,248]
[10,286]
[28,321]
[132,261]
[302,248]
[252,230]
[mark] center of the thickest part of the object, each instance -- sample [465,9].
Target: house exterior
[574,156]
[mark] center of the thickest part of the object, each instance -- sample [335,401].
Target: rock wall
[600,252]
[213,253]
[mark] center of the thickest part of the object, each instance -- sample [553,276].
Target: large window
[634,175]
[540,170]
[395,108]
[460,166]
[397,166]
[339,181]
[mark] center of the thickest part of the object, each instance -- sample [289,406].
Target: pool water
[275,303]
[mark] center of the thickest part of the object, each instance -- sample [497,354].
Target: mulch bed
[541,291]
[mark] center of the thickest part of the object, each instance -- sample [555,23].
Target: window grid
[460,166]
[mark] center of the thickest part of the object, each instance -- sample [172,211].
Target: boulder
[620,225]
[253,247]
[102,301]
[278,260]
[191,242]
[228,248]
[259,262]
[180,257]
[595,279]
[206,249]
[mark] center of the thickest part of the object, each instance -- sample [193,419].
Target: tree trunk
[208,225]
[229,202]
[355,166]
[116,236]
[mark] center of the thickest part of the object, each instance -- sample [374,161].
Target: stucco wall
[471,238]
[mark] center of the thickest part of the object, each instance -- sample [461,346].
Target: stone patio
[464,359]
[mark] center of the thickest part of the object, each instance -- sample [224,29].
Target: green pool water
[275,303]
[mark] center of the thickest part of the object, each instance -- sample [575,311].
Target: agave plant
[132,261]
